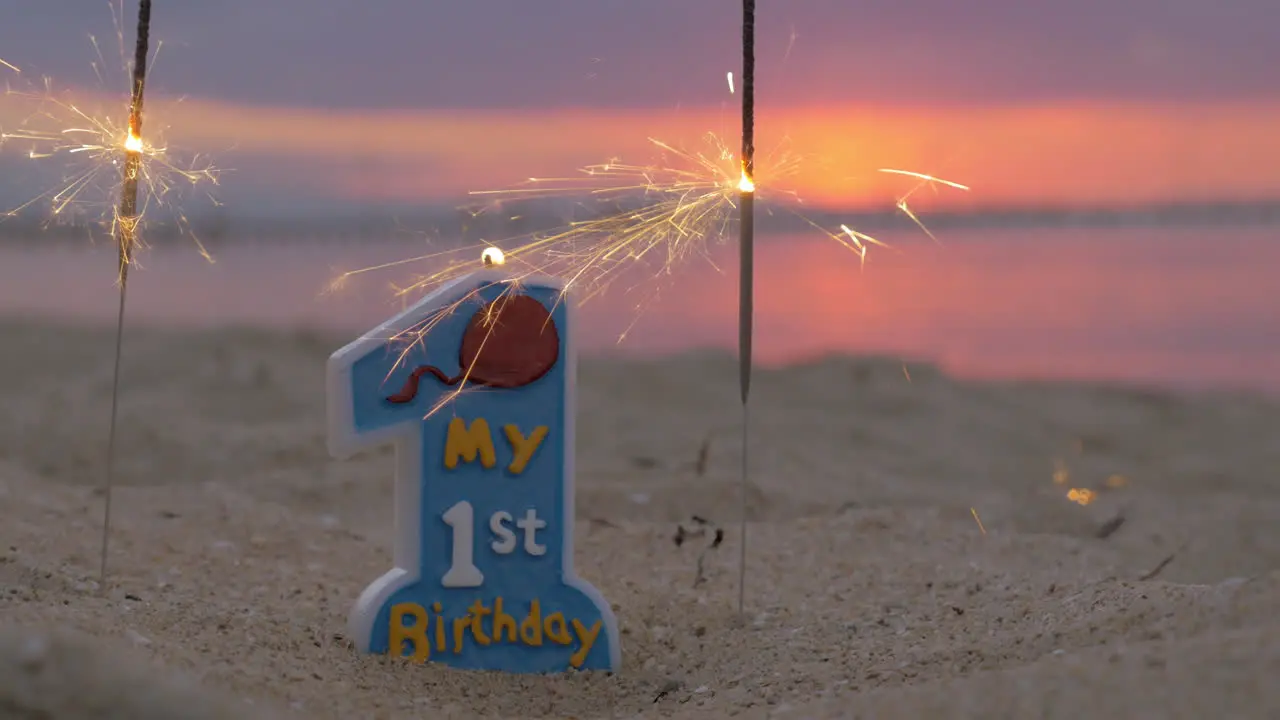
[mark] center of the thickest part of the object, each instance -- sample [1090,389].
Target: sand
[239,545]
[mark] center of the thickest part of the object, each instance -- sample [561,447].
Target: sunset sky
[398,101]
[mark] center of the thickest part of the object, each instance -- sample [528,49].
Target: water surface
[1190,308]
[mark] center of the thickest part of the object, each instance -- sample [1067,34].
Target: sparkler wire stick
[746,269]
[127,238]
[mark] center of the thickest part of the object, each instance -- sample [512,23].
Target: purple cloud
[617,53]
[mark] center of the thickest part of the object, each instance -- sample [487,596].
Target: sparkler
[96,147]
[126,233]
[746,270]
[115,171]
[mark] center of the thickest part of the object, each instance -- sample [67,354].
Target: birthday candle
[475,387]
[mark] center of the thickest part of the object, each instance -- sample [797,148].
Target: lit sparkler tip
[492,256]
[133,143]
[745,184]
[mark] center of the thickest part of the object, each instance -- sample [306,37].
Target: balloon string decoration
[126,231]
[509,343]
[746,269]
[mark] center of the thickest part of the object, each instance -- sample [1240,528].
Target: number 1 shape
[463,572]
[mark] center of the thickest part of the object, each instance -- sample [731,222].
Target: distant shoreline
[514,222]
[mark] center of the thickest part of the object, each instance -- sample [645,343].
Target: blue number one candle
[483,575]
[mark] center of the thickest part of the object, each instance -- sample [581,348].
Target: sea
[1194,307]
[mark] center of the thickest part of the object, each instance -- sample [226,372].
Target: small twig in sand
[704,457]
[700,577]
[1108,528]
[702,528]
[602,522]
[667,688]
[1159,568]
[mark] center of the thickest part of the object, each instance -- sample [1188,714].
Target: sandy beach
[913,551]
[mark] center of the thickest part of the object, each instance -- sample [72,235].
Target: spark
[1081,496]
[730,75]
[664,212]
[89,145]
[1061,473]
[655,216]
[857,241]
[926,181]
[974,512]
[10,65]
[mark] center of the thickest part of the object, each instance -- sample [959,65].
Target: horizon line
[361,218]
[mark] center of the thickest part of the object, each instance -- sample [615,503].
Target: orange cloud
[1059,154]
